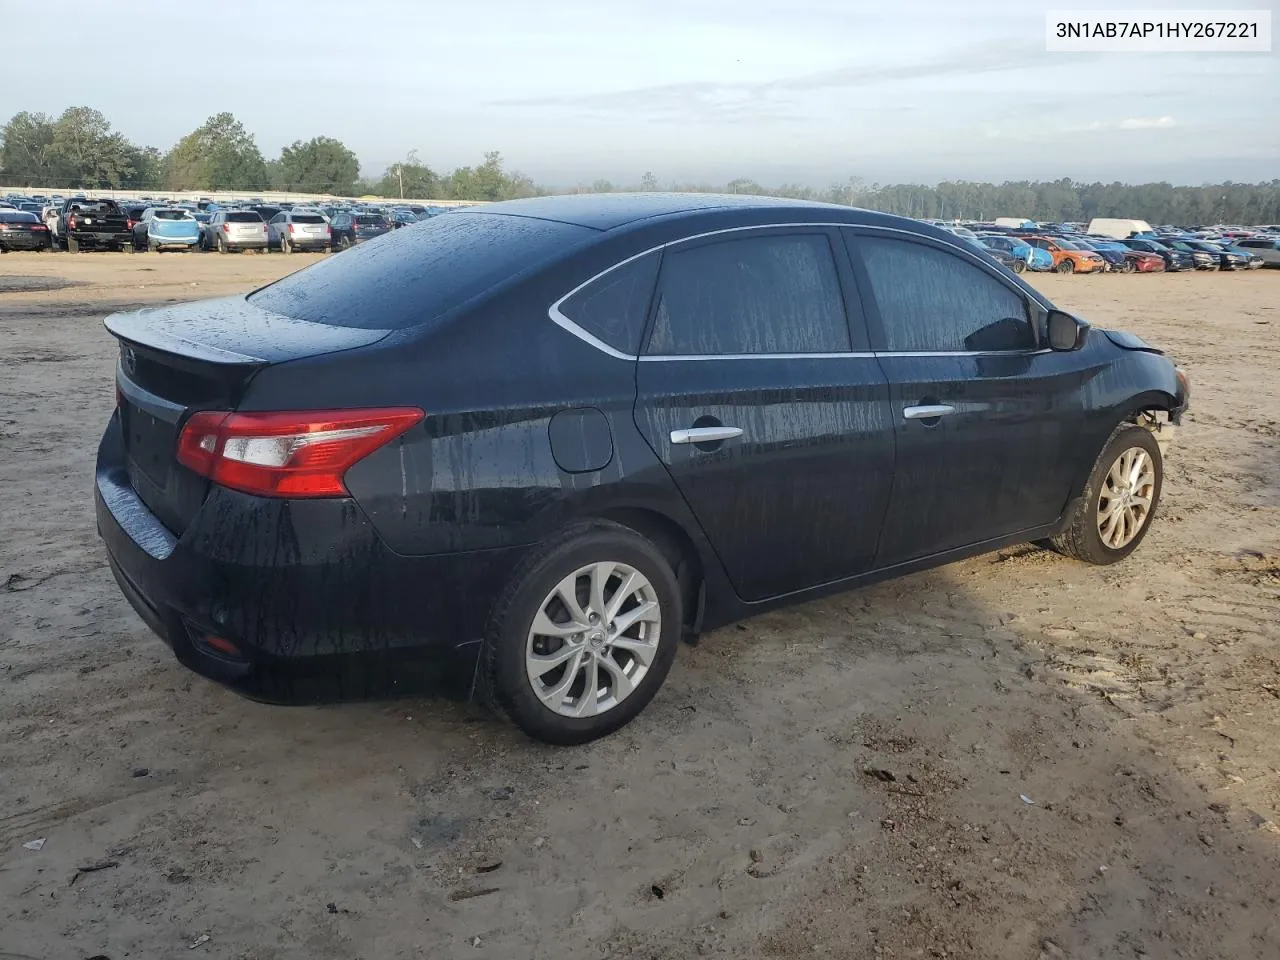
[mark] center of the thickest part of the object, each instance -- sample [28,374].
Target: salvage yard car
[20,230]
[538,442]
[85,224]
[166,228]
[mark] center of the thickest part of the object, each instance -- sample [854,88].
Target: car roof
[606,211]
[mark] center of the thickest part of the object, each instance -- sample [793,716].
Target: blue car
[1034,258]
[166,227]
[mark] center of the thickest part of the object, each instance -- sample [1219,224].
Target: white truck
[1015,223]
[1120,229]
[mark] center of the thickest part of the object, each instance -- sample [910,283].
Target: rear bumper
[99,239]
[316,606]
[172,241]
[245,244]
[25,241]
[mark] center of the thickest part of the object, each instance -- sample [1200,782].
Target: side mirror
[1066,332]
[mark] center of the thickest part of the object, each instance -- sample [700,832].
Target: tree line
[79,149]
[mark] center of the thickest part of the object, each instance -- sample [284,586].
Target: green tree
[220,155]
[84,151]
[24,150]
[411,179]
[321,165]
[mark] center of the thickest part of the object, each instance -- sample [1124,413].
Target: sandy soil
[1080,762]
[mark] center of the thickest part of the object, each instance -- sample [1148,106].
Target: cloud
[702,98]
[1147,123]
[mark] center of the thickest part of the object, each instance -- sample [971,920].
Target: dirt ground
[1076,762]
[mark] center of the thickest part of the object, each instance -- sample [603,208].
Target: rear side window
[772,294]
[410,277]
[931,300]
[613,308]
[243,217]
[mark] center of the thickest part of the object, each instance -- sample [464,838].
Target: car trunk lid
[177,360]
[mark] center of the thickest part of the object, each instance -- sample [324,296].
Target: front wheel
[1066,266]
[1019,266]
[584,634]
[1114,511]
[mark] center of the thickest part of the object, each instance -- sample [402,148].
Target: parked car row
[91,223]
[1119,246]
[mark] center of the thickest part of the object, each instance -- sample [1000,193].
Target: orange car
[1067,257]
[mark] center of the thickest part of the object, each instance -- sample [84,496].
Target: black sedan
[534,444]
[20,230]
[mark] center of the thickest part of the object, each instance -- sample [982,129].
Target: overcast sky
[571,90]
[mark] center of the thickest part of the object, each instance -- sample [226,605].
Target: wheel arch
[677,545]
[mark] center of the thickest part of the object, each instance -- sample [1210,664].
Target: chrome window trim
[556,315]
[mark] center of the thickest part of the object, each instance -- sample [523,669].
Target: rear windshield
[307,218]
[13,216]
[243,217]
[370,221]
[172,215]
[410,277]
[105,207]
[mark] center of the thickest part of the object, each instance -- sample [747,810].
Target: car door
[986,417]
[273,229]
[757,392]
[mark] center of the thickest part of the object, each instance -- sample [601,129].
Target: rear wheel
[1019,266]
[584,635]
[1114,511]
[285,245]
[344,243]
[1066,266]
[73,245]
[222,245]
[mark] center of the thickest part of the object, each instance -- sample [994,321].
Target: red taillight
[291,228]
[129,224]
[226,228]
[303,454]
[71,222]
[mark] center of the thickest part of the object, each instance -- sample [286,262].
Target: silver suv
[229,230]
[291,230]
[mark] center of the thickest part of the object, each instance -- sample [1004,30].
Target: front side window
[934,301]
[613,308]
[757,295]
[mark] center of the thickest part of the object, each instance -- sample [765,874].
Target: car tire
[285,246]
[592,556]
[1126,267]
[1019,266]
[1107,520]
[344,243]
[73,246]
[222,245]
[1066,266]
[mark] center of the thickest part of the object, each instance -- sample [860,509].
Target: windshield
[409,277]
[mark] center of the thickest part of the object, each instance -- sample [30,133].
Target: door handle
[927,411]
[705,434]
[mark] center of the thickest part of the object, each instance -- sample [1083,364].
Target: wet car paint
[829,487]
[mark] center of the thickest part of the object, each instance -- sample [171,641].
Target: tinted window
[242,217]
[307,218]
[931,300]
[11,216]
[278,218]
[613,308]
[777,294]
[172,215]
[411,276]
[370,221]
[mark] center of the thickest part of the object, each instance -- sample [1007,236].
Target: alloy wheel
[593,639]
[1124,503]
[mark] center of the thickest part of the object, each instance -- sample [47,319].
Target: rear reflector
[221,644]
[296,454]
